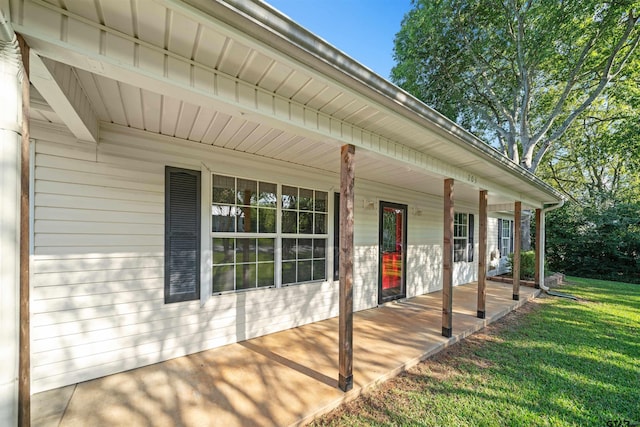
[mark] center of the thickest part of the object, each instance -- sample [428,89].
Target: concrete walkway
[282,379]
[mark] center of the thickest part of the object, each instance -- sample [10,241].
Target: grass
[554,362]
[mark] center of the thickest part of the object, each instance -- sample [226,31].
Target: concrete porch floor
[282,379]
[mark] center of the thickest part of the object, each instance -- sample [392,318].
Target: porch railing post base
[447,332]
[481,314]
[516,297]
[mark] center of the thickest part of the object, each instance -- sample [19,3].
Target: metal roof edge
[292,33]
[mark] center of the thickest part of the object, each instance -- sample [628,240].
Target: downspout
[14,220]
[543,242]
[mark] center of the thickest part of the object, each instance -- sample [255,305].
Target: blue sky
[363,29]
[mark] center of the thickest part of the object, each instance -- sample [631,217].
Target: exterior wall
[98,276]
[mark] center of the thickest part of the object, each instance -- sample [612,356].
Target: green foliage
[598,158]
[527,264]
[600,242]
[515,73]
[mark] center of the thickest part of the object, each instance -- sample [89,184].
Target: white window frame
[460,233]
[506,237]
[277,236]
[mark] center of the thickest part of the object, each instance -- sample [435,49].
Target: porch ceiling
[144,64]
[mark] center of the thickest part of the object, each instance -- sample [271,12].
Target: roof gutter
[290,32]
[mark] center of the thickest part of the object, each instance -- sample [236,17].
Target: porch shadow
[281,379]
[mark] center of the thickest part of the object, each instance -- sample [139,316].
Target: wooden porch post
[345,339]
[538,247]
[447,261]
[482,255]
[24,363]
[517,244]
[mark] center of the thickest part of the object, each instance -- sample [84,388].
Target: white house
[190,165]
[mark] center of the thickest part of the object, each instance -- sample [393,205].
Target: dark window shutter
[336,236]
[470,241]
[511,239]
[500,236]
[182,235]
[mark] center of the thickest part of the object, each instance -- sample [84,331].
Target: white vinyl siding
[98,261]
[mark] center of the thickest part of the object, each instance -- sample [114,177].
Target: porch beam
[538,247]
[345,335]
[447,261]
[482,254]
[517,244]
[60,87]
[508,207]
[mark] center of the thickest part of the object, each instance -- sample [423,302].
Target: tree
[597,161]
[518,73]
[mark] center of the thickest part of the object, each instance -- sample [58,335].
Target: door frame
[403,293]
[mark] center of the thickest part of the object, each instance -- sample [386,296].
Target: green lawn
[555,362]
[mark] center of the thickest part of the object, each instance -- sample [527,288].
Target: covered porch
[286,378]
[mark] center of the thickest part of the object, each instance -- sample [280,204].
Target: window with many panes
[304,234]
[248,241]
[460,234]
[462,237]
[243,225]
[506,234]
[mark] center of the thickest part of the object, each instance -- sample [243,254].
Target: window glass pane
[247,192]
[223,218]
[289,272]
[267,218]
[320,224]
[288,249]
[289,197]
[305,223]
[223,251]
[267,195]
[245,250]
[247,219]
[321,201]
[306,199]
[245,276]
[266,249]
[289,221]
[265,274]
[222,278]
[319,269]
[304,249]
[319,248]
[223,189]
[304,271]
[459,250]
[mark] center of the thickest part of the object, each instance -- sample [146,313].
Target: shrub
[527,264]
[599,242]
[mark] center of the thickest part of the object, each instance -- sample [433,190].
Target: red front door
[392,252]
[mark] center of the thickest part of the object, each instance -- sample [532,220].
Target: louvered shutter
[470,240]
[182,235]
[511,239]
[500,237]
[336,236]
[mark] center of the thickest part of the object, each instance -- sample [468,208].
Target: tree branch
[604,80]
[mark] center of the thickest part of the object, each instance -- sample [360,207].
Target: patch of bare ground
[375,404]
